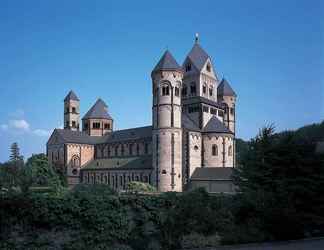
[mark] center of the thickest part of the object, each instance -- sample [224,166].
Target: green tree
[281,179]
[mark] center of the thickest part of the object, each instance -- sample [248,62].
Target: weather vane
[196,37]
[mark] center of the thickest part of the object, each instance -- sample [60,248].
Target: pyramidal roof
[198,56]
[215,126]
[71,96]
[225,89]
[98,110]
[167,62]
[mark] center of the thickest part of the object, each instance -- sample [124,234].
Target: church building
[190,143]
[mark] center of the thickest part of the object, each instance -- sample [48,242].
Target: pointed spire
[71,96]
[99,110]
[225,89]
[167,62]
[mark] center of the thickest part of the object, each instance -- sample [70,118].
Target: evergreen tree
[15,154]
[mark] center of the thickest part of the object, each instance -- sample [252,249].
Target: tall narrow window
[214,150]
[122,149]
[210,91]
[184,90]
[96,125]
[146,148]
[230,151]
[130,148]
[232,111]
[176,91]
[204,89]
[188,67]
[73,124]
[193,89]
[165,90]
[116,150]
[137,149]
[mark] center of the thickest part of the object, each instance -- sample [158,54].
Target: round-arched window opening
[75,171]
[208,67]
[163,171]
[196,147]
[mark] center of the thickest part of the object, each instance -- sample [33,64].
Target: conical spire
[167,62]
[99,110]
[71,96]
[225,89]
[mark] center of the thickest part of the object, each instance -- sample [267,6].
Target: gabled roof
[128,134]
[167,62]
[71,96]
[215,126]
[212,173]
[225,89]
[98,110]
[71,136]
[198,56]
[121,163]
[189,124]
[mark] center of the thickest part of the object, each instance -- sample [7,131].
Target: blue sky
[272,53]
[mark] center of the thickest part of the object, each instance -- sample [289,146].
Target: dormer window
[188,67]
[208,68]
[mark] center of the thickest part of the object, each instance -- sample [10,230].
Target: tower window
[164,171]
[230,151]
[73,124]
[176,91]
[220,113]
[184,90]
[107,126]
[204,89]
[232,111]
[214,150]
[137,149]
[188,67]
[96,125]
[210,91]
[193,89]
[116,150]
[165,90]
[213,111]
[208,67]
[73,110]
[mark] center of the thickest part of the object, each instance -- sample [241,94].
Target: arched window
[165,90]
[214,150]
[176,91]
[130,149]
[204,88]
[211,91]
[208,67]
[230,151]
[75,161]
[137,149]
[122,149]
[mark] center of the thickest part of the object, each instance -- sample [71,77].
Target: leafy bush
[139,187]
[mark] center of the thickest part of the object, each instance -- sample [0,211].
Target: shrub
[139,187]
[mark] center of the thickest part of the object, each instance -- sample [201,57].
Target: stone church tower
[167,132]
[71,112]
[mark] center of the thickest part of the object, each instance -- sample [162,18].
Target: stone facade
[192,132]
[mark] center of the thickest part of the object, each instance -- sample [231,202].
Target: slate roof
[121,163]
[198,56]
[128,134]
[212,173]
[200,99]
[71,96]
[70,136]
[98,110]
[225,89]
[189,124]
[167,62]
[214,125]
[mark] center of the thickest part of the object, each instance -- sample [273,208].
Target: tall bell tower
[71,111]
[167,133]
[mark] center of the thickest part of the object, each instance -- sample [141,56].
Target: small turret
[71,111]
[227,97]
